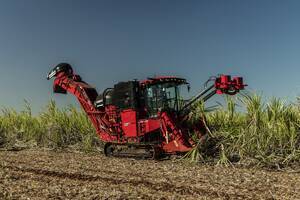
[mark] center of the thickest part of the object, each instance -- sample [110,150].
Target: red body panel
[129,123]
[148,125]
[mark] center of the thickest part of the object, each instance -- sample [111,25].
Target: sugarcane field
[57,155]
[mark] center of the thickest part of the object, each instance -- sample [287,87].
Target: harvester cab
[142,117]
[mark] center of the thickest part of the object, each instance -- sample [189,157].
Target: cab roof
[163,79]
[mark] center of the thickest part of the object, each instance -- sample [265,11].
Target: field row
[46,174]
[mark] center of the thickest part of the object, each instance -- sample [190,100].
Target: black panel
[91,93]
[125,94]
[58,89]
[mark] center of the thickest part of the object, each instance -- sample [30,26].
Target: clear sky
[109,41]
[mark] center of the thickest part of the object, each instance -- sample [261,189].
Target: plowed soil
[40,174]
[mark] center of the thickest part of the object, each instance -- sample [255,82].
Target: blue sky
[110,41]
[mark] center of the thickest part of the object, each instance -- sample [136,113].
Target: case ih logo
[126,124]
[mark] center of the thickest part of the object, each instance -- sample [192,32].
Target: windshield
[163,96]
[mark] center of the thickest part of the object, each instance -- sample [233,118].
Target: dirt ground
[41,174]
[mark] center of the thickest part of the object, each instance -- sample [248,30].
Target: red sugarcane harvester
[146,117]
